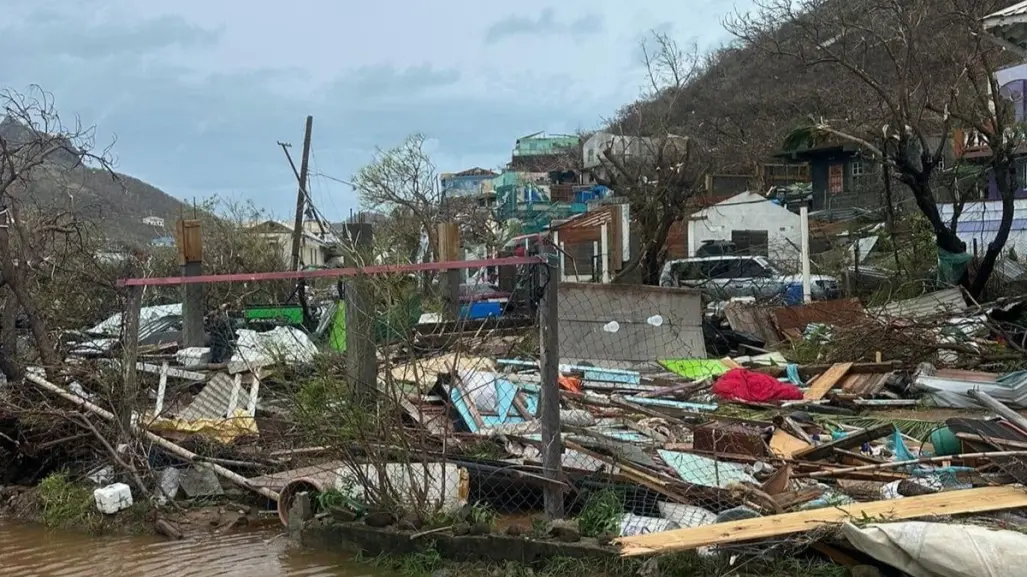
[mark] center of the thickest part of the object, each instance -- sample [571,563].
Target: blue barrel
[793,294]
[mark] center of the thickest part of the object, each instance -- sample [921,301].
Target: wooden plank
[784,445]
[730,363]
[827,381]
[849,441]
[946,503]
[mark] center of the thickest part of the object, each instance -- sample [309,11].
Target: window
[721,269]
[591,155]
[1021,174]
[858,169]
[752,269]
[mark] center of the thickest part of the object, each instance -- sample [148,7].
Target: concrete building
[756,225]
[470,182]
[314,251]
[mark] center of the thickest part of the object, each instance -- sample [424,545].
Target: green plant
[601,514]
[66,505]
[332,499]
[482,513]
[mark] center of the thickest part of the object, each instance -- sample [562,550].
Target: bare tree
[650,160]
[403,184]
[36,146]
[915,70]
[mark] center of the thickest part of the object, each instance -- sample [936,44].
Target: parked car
[724,277]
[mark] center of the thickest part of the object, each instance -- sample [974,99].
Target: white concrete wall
[749,211]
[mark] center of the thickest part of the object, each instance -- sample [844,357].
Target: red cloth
[746,385]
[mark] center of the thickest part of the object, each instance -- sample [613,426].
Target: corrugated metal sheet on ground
[948,301]
[147,316]
[836,312]
[212,402]
[947,392]
[706,472]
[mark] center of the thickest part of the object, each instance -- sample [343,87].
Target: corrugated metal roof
[1016,11]
[940,302]
[592,219]
[212,402]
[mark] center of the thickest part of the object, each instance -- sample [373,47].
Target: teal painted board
[700,407]
[505,413]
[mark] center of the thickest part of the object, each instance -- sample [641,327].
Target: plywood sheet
[827,381]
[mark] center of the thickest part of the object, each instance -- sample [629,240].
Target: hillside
[119,203]
[744,101]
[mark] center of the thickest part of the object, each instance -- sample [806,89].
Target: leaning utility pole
[301,196]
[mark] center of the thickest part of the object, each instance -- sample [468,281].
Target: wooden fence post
[449,250]
[549,364]
[190,257]
[130,351]
[361,346]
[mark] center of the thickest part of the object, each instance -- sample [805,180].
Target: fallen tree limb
[155,439]
[85,422]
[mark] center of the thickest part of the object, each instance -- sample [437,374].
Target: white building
[980,222]
[749,220]
[155,221]
[313,250]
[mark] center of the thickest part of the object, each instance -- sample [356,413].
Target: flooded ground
[31,551]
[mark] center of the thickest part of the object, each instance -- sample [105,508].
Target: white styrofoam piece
[113,498]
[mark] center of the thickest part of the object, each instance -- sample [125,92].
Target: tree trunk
[656,253]
[1004,179]
[9,364]
[16,281]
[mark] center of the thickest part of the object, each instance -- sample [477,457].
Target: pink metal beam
[327,273]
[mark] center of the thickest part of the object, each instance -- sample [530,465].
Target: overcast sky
[199,91]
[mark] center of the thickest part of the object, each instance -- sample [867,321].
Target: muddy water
[29,551]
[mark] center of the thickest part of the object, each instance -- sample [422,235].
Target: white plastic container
[113,498]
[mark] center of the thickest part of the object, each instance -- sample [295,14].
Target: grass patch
[601,514]
[419,564]
[66,505]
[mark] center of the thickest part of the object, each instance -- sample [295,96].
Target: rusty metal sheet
[753,319]
[836,312]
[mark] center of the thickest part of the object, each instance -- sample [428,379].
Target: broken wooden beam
[946,503]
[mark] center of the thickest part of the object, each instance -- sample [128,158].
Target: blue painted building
[473,181]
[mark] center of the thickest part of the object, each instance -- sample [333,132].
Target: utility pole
[301,196]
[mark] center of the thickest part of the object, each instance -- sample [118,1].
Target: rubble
[765,443]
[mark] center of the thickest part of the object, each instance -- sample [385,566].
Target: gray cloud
[195,134]
[546,24]
[47,32]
